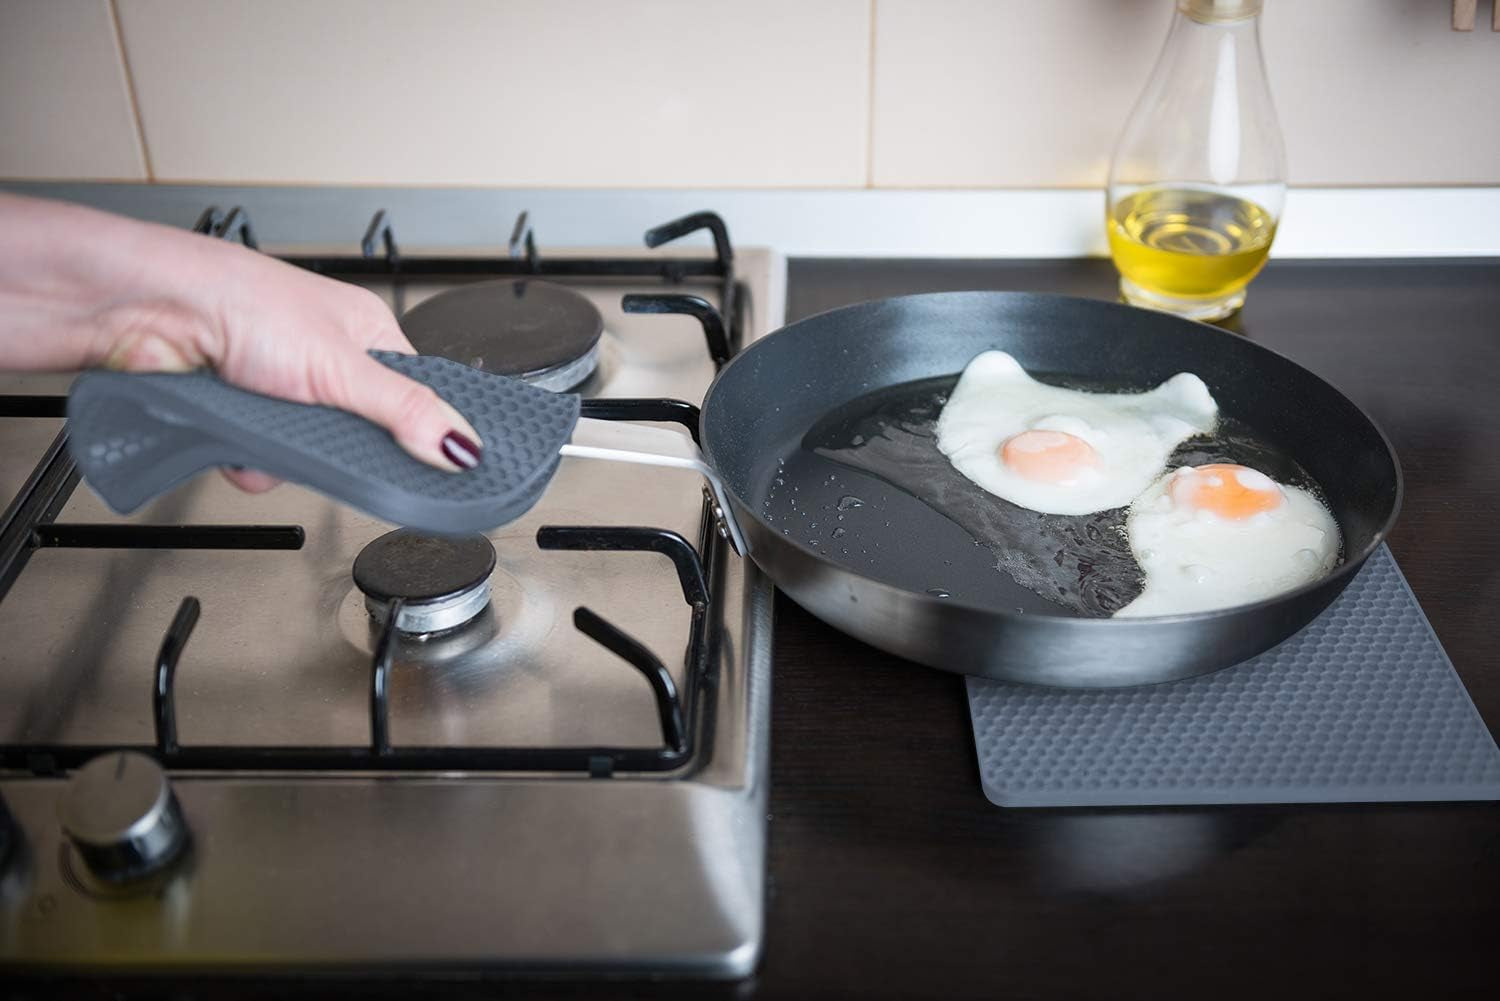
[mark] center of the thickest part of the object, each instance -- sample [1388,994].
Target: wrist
[82,288]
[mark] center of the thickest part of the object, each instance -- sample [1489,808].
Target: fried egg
[1220,535]
[1065,451]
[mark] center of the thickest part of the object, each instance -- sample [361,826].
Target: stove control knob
[121,815]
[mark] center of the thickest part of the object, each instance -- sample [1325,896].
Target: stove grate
[686,717]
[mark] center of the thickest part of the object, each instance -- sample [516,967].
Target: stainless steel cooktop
[305,847]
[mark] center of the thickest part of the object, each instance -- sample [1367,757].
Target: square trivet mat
[1362,705]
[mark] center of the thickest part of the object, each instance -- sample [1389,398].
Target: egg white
[1132,433]
[1195,561]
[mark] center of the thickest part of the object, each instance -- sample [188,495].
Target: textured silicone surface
[135,436]
[1362,705]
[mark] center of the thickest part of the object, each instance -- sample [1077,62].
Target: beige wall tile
[1029,93]
[64,104]
[1383,93]
[1006,93]
[753,93]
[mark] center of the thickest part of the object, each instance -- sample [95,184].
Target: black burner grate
[686,717]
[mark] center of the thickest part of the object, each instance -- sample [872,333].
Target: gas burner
[445,580]
[538,331]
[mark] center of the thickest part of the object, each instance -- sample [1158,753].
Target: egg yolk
[1048,456]
[1232,492]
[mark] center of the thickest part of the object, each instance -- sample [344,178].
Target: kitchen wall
[698,94]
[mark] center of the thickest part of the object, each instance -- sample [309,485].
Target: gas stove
[269,733]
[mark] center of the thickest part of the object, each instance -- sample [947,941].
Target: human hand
[80,288]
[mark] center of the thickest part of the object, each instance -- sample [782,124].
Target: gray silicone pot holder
[135,436]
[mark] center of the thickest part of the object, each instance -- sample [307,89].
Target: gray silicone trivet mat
[1361,706]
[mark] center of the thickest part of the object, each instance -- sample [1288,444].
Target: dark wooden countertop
[891,876]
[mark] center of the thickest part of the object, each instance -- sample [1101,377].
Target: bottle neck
[1205,116]
[1220,11]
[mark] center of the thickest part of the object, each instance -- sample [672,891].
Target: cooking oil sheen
[919,524]
[1189,244]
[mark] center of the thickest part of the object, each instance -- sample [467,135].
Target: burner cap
[444,579]
[538,331]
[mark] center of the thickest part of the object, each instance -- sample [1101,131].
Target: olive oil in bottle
[1189,250]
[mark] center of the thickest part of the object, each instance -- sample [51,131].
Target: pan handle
[622,442]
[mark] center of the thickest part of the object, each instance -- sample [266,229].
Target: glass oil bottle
[1197,180]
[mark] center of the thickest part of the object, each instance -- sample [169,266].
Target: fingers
[252,481]
[420,420]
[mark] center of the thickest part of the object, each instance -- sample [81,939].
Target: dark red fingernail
[461,450]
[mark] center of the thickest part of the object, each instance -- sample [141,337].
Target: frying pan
[899,555]
[762,412]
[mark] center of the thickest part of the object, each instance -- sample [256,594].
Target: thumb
[422,422]
[145,350]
